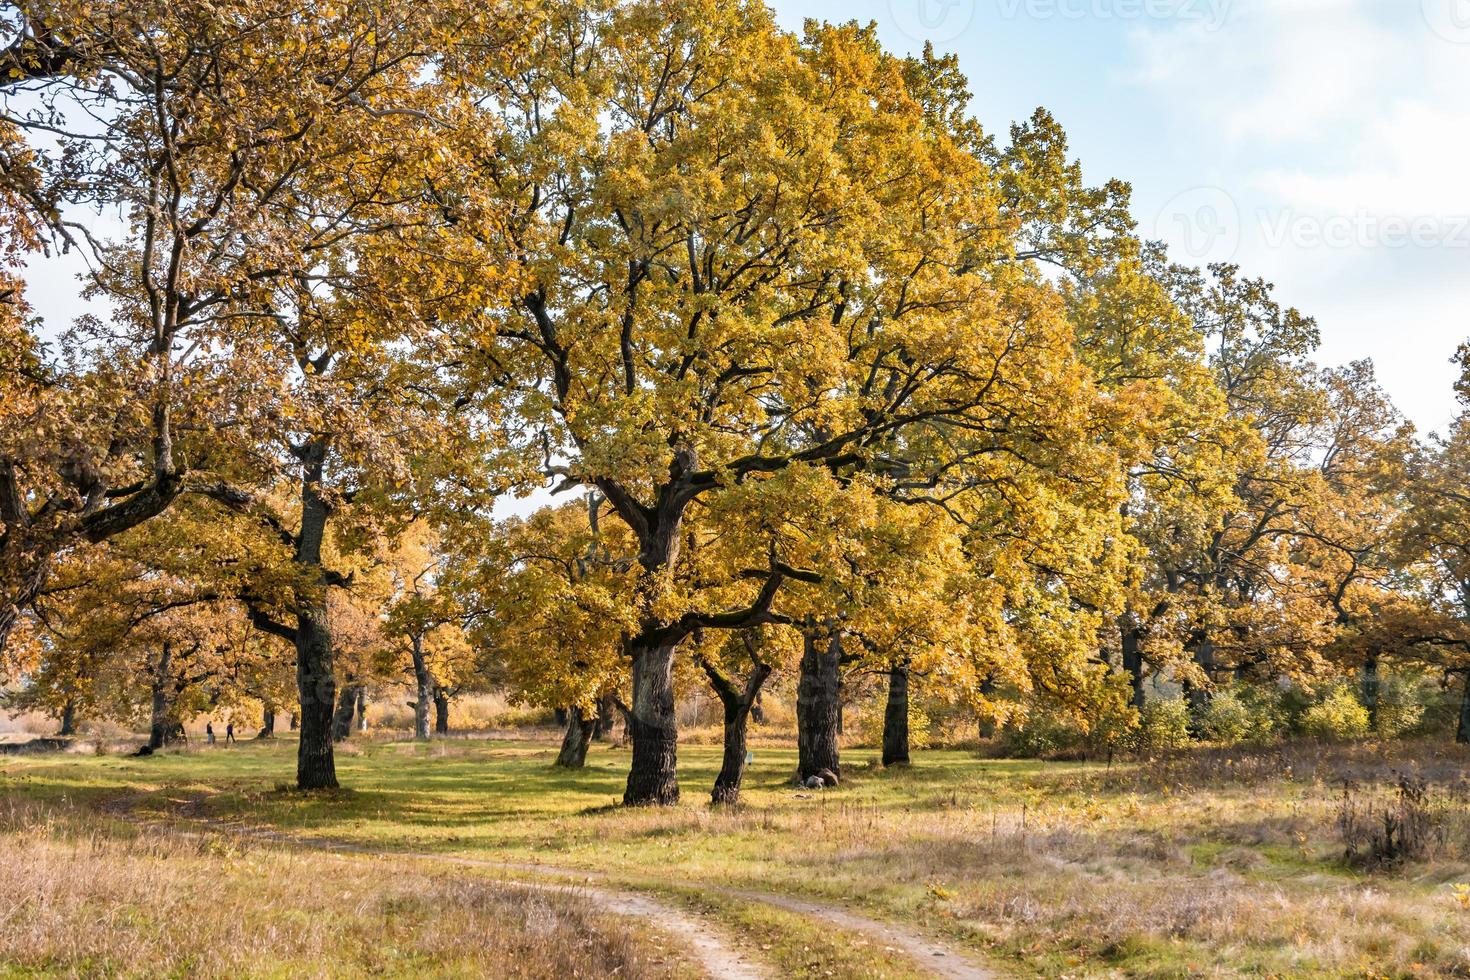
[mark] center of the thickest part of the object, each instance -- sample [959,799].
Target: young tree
[551,598]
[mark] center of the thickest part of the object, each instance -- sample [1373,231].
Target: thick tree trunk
[1371,685]
[160,720]
[268,724]
[316,685]
[575,740]
[652,726]
[346,706]
[1133,657]
[818,703]
[441,711]
[423,689]
[68,718]
[362,704]
[896,717]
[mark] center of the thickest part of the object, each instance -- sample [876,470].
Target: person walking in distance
[209,731]
[229,732]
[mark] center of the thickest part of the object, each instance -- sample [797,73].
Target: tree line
[817,374]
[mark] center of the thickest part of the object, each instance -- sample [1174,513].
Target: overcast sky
[1323,144]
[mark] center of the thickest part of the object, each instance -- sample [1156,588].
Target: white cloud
[1341,131]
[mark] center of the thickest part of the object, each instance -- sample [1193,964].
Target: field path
[710,946]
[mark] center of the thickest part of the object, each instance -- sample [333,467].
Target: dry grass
[78,902]
[1207,862]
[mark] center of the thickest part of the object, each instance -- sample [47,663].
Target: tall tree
[752,263]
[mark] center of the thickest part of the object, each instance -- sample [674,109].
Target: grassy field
[1208,863]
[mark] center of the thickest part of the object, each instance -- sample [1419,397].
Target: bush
[1338,715]
[1403,701]
[1040,733]
[1164,724]
[1241,713]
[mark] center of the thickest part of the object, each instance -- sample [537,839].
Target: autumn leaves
[824,365]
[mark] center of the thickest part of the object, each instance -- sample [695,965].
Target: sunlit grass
[1204,863]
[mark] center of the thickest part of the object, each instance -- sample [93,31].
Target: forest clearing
[1199,863]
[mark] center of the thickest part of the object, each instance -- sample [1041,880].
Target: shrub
[1164,724]
[1242,713]
[1338,715]
[1040,733]
[1403,700]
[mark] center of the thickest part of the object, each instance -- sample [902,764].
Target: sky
[1322,144]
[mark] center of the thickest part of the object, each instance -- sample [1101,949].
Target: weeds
[1406,826]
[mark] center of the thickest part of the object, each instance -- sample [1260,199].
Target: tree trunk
[574,741]
[423,689]
[160,720]
[758,711]
[1370,688]
[1197,696]
[896,717]
[362,704]
[346,706]
[316,685]
[1133,657]
[268,724]
[606,716]
[1462,731]
[68,718]
[818,700]
[738,704]
[652,727]
[441,711]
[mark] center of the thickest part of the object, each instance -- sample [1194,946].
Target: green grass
[1171,868]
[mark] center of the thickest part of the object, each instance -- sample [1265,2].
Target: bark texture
[738,701]
[346,708]
[818,703]
[423,683]
[896,717]
[441,711]
[316,686]
[652,777]
[575,740]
